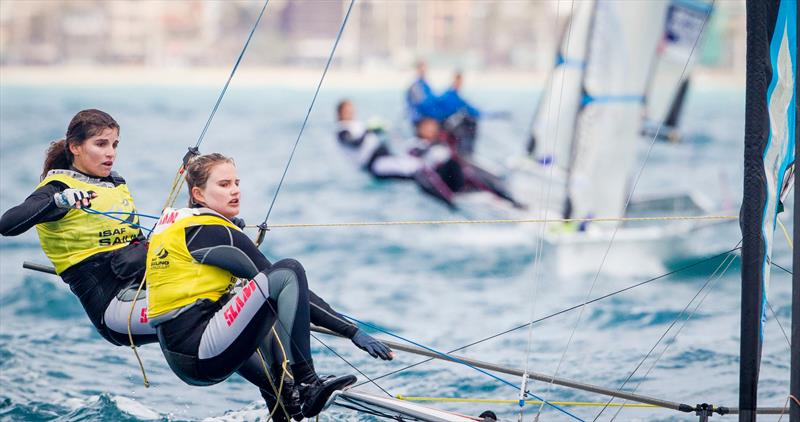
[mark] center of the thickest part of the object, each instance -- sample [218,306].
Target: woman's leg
[118,312]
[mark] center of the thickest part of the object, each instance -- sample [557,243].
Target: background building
[381,34]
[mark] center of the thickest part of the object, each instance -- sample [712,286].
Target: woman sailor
[100,258]
[210,325]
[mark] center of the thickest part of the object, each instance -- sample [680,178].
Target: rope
[597,299]
[540,241]
[351,365]
[263,228]
[627,202]
[785,233]
[499,221]
[109,215]
[457,360]
[501,401]
[178,180]
[707,287]
[130,334]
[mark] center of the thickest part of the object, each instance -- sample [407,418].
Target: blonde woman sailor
[210,326]
[99,257]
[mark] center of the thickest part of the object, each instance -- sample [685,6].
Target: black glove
[239,222]
[372,346]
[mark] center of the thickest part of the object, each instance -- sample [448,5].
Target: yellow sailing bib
[79,235]
[174,278]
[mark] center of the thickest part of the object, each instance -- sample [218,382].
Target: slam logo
[160,260]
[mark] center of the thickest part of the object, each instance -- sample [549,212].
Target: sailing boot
[289,405]
[315,391]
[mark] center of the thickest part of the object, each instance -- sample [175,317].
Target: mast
[794,382]
[770,133]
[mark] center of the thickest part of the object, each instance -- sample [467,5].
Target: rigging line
[518,327]
[674,337]
[502,401]
[537,263]
[308,113]
[539,250]
[782,268]
[178,181]
[154,217]
[230,77]
[134,225]
[361,407]
[785,233]
[627,201]
[351,365]
[775,317]
[711,279]
[459,361]
[500,221]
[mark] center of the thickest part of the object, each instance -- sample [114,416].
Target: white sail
[608,122]
[553,123]
[673,62]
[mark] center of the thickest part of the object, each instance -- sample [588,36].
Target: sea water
[441,286]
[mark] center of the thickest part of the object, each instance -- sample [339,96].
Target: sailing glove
[74,198]
[372,346]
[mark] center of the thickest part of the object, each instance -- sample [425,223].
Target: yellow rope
[284,373]
[178,179]
[130,334]
[512,221]
[533,402]
[786,234]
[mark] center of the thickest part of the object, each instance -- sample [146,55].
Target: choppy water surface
[443,286]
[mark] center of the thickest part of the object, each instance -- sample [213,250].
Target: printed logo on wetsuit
[160,260]
[143,316]
[115,236]
[238,303]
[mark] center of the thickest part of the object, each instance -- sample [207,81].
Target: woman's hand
[74,198]
[372,346]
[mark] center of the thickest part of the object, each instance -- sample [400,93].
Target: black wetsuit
[106,282]
[372,154]
[182,336]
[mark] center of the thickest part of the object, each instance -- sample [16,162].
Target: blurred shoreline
[299,77]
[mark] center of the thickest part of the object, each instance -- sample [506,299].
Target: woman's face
[221,192]
[96,155]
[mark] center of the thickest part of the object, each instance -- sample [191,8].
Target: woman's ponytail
[57,157]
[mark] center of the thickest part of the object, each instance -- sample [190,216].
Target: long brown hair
[84,125]
[198,170]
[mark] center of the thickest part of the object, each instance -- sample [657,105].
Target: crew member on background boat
[100,258]
[445,173]
[210,325]
[420,99]
[367,146]
[458,117]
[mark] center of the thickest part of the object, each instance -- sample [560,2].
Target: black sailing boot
[290,397]
[315,391]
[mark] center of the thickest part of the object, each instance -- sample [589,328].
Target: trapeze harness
[214,299]
[101,259]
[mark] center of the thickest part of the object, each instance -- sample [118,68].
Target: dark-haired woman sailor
[100,258]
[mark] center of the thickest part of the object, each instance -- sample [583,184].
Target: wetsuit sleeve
[346,138]
[37,208]
[324,316]
[225,248]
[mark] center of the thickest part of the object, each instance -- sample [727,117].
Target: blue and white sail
[669,74]
[770,138]
[608,120]
[553,123]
